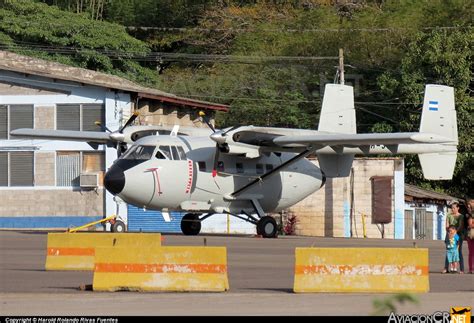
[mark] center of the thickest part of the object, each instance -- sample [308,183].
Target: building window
[268,167]
[79,117]
[71,164]
[239,167]
[14,117]
[17,168]
[259,168]
[68,168]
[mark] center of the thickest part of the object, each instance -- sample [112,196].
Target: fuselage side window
[202,166]
[239,167]
[166,150]
[182,154]
[175,153]
[259,168]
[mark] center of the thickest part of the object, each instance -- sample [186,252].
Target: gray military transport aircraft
[248,171]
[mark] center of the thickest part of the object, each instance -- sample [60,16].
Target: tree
[439,57]
[36,29]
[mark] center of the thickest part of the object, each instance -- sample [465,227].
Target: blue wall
[45,222]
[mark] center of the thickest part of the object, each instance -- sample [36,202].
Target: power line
[163,56]
[368,103]
[290,30]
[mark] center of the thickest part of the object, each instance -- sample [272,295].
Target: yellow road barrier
[375,270]
[161,269]
[76,251]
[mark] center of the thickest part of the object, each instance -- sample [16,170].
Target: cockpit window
[182,154]
[166,150]
[160,155]
[174,151]
[139,152]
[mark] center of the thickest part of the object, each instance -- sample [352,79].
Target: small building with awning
[425,213]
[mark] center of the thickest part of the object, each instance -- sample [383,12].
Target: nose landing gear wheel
[118,226]
[190,224]
[267,227]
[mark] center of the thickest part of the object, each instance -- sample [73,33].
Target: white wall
[117,104]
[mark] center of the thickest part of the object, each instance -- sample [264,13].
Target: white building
[40,184]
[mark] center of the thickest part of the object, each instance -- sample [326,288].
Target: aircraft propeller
[214,133]
[220,138]
[118,136]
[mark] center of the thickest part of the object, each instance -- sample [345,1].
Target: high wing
[345,140]
[336,142]
[128,135]
[68,135]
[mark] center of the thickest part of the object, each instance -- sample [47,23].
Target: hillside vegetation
[270,59]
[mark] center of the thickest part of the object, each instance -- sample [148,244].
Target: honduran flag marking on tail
[433,105]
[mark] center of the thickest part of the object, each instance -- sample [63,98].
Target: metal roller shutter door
[152,221]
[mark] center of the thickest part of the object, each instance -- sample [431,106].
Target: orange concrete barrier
[361,270]
[161,269]
[76,251]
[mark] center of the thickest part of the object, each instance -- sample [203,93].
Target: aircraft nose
[114,180]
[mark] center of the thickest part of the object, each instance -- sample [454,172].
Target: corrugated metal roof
[413,192]
[30,65]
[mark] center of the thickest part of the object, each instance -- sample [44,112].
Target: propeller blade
[129,121]
[232,128]
[98,123]
[216,161]
[204,118]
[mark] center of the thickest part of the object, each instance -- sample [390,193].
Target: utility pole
[341,66]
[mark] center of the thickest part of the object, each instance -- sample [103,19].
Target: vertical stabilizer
[338,116]
[338,112]
[439,117]
[439,113]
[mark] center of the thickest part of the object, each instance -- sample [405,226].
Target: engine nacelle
[234,148]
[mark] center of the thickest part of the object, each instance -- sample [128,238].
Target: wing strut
[276,169]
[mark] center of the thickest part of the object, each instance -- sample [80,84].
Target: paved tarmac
[260,277]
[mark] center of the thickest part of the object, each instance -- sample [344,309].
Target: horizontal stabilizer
[438,166]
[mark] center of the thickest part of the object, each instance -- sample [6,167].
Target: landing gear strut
[190,224]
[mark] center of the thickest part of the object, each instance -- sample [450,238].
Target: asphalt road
[260,277]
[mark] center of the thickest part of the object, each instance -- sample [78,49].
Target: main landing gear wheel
[267,227]
[190,224]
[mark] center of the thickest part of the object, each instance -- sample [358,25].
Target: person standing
[470,233]
[456,219]
[452,249]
